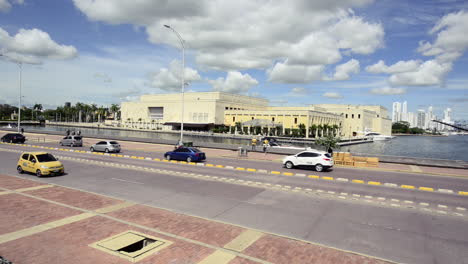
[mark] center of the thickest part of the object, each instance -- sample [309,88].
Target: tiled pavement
[51,224]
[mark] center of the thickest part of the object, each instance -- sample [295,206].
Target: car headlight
[44,167]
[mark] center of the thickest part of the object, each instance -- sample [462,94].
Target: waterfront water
[451,147]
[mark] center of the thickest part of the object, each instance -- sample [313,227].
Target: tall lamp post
[183,83]
[20,64]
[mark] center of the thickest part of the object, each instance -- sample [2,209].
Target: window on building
[252,118]
[352,115]
[359,116]
[346,115]
[233,119]
[226,108]
[377,115]
[295,120]
[273,119]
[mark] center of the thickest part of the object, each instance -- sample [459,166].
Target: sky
[291,52]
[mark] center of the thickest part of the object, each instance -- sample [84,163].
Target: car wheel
[38,173]
[289,165]
[319,167]
[189,159]
[168,157]
[19,169]
[91,149]
[106,150]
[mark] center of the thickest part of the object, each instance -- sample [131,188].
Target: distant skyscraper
[412,119]
[396,113]
[448,115]
[421,119]
[404,111]
[429,118]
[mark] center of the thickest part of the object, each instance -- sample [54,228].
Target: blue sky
[295,52]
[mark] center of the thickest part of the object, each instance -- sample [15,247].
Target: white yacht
[377,136]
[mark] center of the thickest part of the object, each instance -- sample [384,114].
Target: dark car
[188,154]
[13,138]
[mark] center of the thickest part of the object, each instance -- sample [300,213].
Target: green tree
[328,142]
[302,130]
[400,127]
[313,130]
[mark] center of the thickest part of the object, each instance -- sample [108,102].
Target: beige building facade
[204,111]
[358,119]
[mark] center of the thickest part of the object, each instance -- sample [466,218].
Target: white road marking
[126,181]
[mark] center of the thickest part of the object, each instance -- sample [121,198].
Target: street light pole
[20,64]
[183,83]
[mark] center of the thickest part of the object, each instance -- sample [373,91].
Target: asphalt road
[408,226]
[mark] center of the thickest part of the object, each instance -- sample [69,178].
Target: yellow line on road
[426,189]
[462,193]
[373,183]
[327,178]
[218,257]
[244,240]
[288,173]
[314,177]
[44,227]
[275,172]
[357,181]
[407,186]
[250,169]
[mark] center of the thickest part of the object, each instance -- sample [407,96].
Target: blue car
[188,154]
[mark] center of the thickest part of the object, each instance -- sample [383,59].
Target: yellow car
[40,163]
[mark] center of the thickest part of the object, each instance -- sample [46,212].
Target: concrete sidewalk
[44,223]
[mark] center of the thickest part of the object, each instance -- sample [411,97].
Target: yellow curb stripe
[192,163]
[165,160]
[373,183]
[133,157]
[250,169]
[183,162]
[141,157]
[156,159]
[218,257]
[407,186]
[209,165]
[174,161]
[327,178]
[44,227]
[462,193]
[288,173]
[428,189]
[114,207]
[415,168]
[219,166]
[357,181]
[314,177]
[275,172]
[244,240]
[34,188]
[240,168]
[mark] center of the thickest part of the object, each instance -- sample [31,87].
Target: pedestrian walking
[265,145]
[73,132]
[78,133]
[22,130]
[254,143]
[68,132]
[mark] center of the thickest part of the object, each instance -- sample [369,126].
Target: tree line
[67,113]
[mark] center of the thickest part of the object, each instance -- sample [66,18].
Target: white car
[319,159]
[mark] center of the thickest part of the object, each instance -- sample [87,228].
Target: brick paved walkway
[42,223]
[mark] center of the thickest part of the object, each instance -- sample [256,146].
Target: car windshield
[78,138]
[45,157]
[114,142]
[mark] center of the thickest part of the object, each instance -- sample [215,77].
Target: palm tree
[335,129]
[93,108]
[320,127]
[115,109]
[313,129]
[37,107]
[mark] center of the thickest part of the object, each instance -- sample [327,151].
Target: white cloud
[388,91]
[284,73]
[332,95]
[235,82]
[5,5]
[104,77]
[399,67]
[344,70]
[32,46]
[247,34]
[452,38]
[430,72]
[298,91]
[170,79]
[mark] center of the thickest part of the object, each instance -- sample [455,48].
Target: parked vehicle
[72,141]
[321,160]
[106,146]
[188,154]
[39,163]
[13,138]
